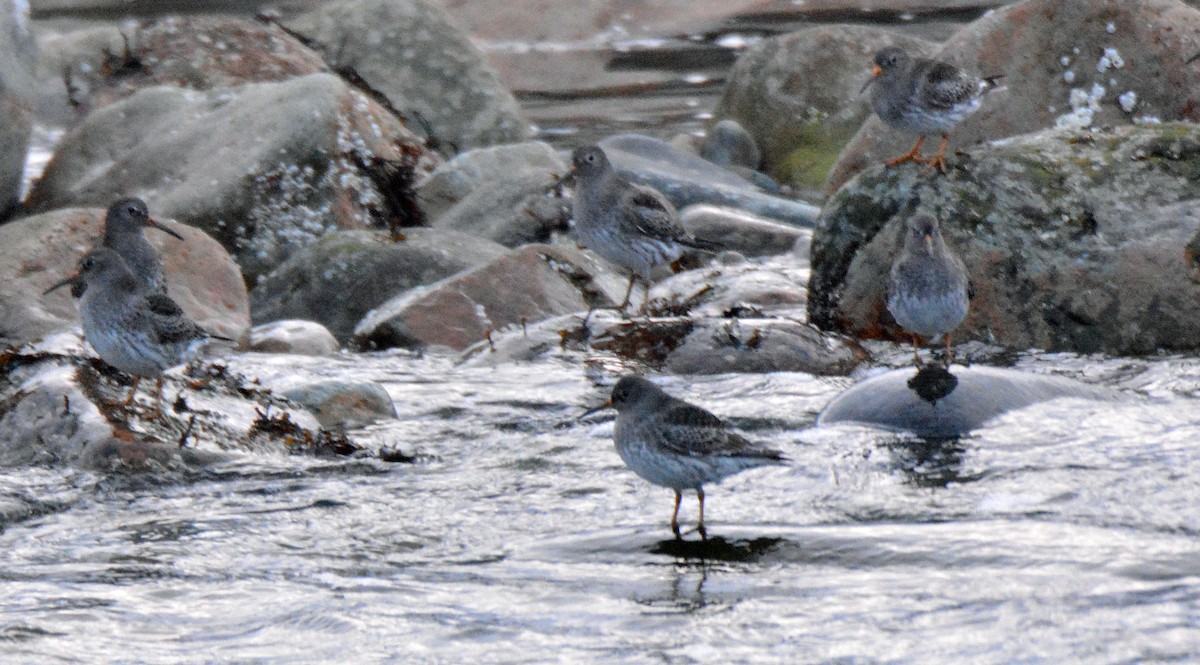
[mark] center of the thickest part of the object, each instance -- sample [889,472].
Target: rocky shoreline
[344,185]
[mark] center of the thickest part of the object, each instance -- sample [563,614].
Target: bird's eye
[87,263]
[591,157]
[132,210]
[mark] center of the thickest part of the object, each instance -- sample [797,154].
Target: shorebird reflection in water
[137,331]
[922,96]
[678,445]
[928,288]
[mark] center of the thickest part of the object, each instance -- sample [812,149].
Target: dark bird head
[589,162]
[100,263]
[629,391]
[922,232]
[885,61]
[131,216]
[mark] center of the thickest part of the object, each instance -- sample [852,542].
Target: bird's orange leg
[916,350]
[628,293]
[938,161]
[675,515]
[949,352]
[913,155]
[700,525]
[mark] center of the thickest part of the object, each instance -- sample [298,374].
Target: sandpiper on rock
[631,225]
[678,445]
[138,331]
[922,97]
[928,290]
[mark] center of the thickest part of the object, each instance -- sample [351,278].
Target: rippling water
[1066,532]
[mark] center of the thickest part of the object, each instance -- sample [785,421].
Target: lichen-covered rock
[265,168]
[306,338]
[799,95]
[39,251]
[1065,63]
[18,58]
[1073,240]
[533,283]
[409,51]
[504,193]
[346,274]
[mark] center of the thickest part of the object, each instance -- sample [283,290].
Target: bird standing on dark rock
[928,290]
[923,97]
[136,330]
[678,445]
[631,225]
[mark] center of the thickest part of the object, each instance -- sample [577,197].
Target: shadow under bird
[923,96]
[124,224]
[631,225]
[672,443]
[136,330]
[929,288]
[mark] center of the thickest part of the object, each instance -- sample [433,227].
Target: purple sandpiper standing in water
[678,445]
[928,291]
[631,225]
[922,96]
[136,330]
[124,223]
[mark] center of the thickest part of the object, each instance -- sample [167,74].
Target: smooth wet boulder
[504,193]
[266,168]
[408,51]
[18,59]
[799,96]
[720,346]
[740,231]
[727,143]
[340,278]
[344,404]
[1065,63]
[687,179]
[1074,241]
[935,403]
[39,251]
[102,65]
[306,338]
[734,286]
[529,285]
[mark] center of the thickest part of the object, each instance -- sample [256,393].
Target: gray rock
[529,285]
[346,274]
[798,95]
[740,231]
[408,51]
[1052,54]
[39,251]
[344,405]
[1074,241]
[307,338]
[688,179]
[18,59]
[503,193]
[729,144]
[266,168]
[899,400]
[735,287]
[719,346]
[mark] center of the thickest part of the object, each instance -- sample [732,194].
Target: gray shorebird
[922,96]
[631,225]
[928,290]
[678,445]
[124,223]
[136,330]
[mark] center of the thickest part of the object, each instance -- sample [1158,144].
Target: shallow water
[1066,532]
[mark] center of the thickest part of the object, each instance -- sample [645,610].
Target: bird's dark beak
[606,405]
[73,280]
[150,221]
[876,70]
[1192,59]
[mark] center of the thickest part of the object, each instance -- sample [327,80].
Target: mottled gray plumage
[928,290]
[631,225]
[124,223]
[678,445]
[138,331]
[923,96]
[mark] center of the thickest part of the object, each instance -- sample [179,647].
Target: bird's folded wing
[690,430]
[170,323]
[649,213]
[945,86]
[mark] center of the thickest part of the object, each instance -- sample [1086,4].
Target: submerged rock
[346,274]
[265,168]
[799,96]
[18,59]
[1065,63]
[409,52]
[935,403]
[687,179]
[342,404]
[1074,241]
[39,251]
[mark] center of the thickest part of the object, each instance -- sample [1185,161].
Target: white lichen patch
[1128,101]
[1111,59]
[1084,105]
